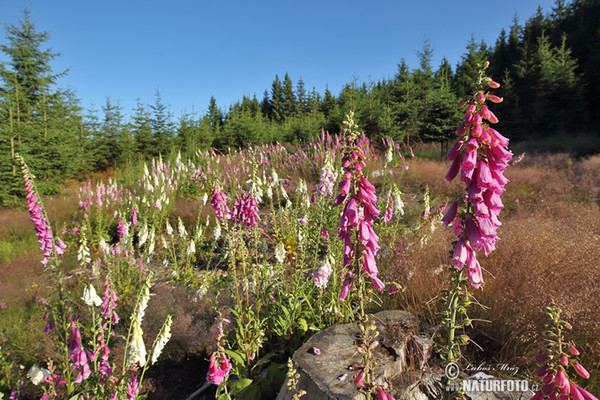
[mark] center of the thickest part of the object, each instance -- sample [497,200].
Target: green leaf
[265,359]
[302,325]
[238,385]
[237,357]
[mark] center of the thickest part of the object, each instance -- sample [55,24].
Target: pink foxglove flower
[245,211]
[481,157]
[359,211]
[320,275]
[582,371]
[217,373]
[78,355]
[38,216]
[219,203]
[132,388]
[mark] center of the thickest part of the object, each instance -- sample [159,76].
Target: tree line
[548,67]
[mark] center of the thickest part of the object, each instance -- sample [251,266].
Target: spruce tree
[30,104]
[277,104]
[141,131]
[162,126]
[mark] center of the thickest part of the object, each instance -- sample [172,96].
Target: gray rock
[403,363]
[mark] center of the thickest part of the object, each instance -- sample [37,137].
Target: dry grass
[549,249]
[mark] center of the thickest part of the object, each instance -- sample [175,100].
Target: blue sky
[193,49]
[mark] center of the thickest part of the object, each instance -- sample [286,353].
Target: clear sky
[193,49]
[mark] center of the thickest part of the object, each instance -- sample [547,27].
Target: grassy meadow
[204,270]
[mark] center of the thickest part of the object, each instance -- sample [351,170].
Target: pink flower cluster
[245,211]
[78,355]
[327,179]
[217,373]
[358,213]
[481,157]
[219,202]
[121,228]
[42,228]
[556,382]
[109,303]
[320,275]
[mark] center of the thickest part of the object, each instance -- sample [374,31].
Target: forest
[547,65]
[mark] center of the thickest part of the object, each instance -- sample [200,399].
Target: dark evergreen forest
[548,67]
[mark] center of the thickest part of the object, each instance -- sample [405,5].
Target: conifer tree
[162,126]
[289,98]
[30,104]
[141,131]
[277,104]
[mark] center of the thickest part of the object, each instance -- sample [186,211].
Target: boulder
[404,364]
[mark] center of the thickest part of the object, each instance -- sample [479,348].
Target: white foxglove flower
[280,252]
[161,340]
[90,297]
[398,203]
[198,234]
[83,253]
[284,193]
[389,156]
[204,198]
[152,243]
[37,374]
[217,231]
[143,235]
[140,310]
[104,246]
[181,229]
[136,353]
[191,248]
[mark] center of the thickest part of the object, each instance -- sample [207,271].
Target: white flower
[217,231]
[204,198]
[161,340]
[169,229]
[143,303]
[83,254]
[104,246]
[398,203]
[143,235]
[191,248]
[90,297]
[301,188]
[198,234]
[284,193]
[137,350]
[151,246]
[280,252]
[181,229]
[389,156]
[37,374]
